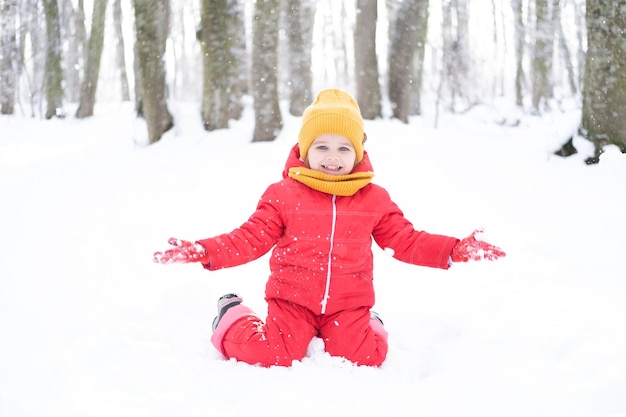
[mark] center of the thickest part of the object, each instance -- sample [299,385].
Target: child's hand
[183,252]
[471,249]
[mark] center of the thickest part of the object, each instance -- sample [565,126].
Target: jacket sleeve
[395,232]
[251,240]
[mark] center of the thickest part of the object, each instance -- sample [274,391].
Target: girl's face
[332,154]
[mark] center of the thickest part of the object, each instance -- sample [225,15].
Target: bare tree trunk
[81,31]
[222,63]
[54,72]
[455,61]
[520,36]
[94,53]
[581,41]
[300,16]
[566,57]
[151,23]
[267,116]
[72,62]
[138,82]
[342,65]
[334,47]
[415,99]
[497,86]
[542,57]
[8,56]
[76,52]
[462,53]
[604,93]
[119,49]
[368,92]
[240,62]
[403,42]
[34,74]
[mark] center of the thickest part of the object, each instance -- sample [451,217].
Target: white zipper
[330,256]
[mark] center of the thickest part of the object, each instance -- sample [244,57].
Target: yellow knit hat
[334,111]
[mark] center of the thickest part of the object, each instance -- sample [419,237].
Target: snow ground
[89,326]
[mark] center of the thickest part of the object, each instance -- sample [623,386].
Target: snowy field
[91,327]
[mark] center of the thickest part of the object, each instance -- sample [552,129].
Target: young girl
[320,221]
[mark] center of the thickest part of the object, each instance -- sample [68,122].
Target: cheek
[353,159]
[310,161]
[313,159]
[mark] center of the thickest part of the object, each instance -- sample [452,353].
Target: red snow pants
[288,330]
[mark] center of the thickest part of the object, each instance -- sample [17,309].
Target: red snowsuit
[321,270]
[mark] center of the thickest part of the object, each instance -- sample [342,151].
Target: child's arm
[413,246]
[250,241]
[395,232]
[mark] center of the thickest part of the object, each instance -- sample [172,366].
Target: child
[320,221]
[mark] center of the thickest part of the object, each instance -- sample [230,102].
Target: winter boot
[374,316]
[223,304]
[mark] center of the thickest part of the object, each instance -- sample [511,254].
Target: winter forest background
[60,58]
[127,122]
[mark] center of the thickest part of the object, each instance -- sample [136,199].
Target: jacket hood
[294,161]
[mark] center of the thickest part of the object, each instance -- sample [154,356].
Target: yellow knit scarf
[341,185]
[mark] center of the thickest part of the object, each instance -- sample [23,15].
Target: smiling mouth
[332,167]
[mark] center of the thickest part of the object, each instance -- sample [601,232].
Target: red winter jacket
[322,256]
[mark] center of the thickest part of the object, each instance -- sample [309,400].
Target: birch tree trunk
[267,118]
[89,85]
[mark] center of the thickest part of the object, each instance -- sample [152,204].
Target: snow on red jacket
[322,257]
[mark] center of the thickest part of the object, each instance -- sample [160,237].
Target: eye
[345,149]
[321,147]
